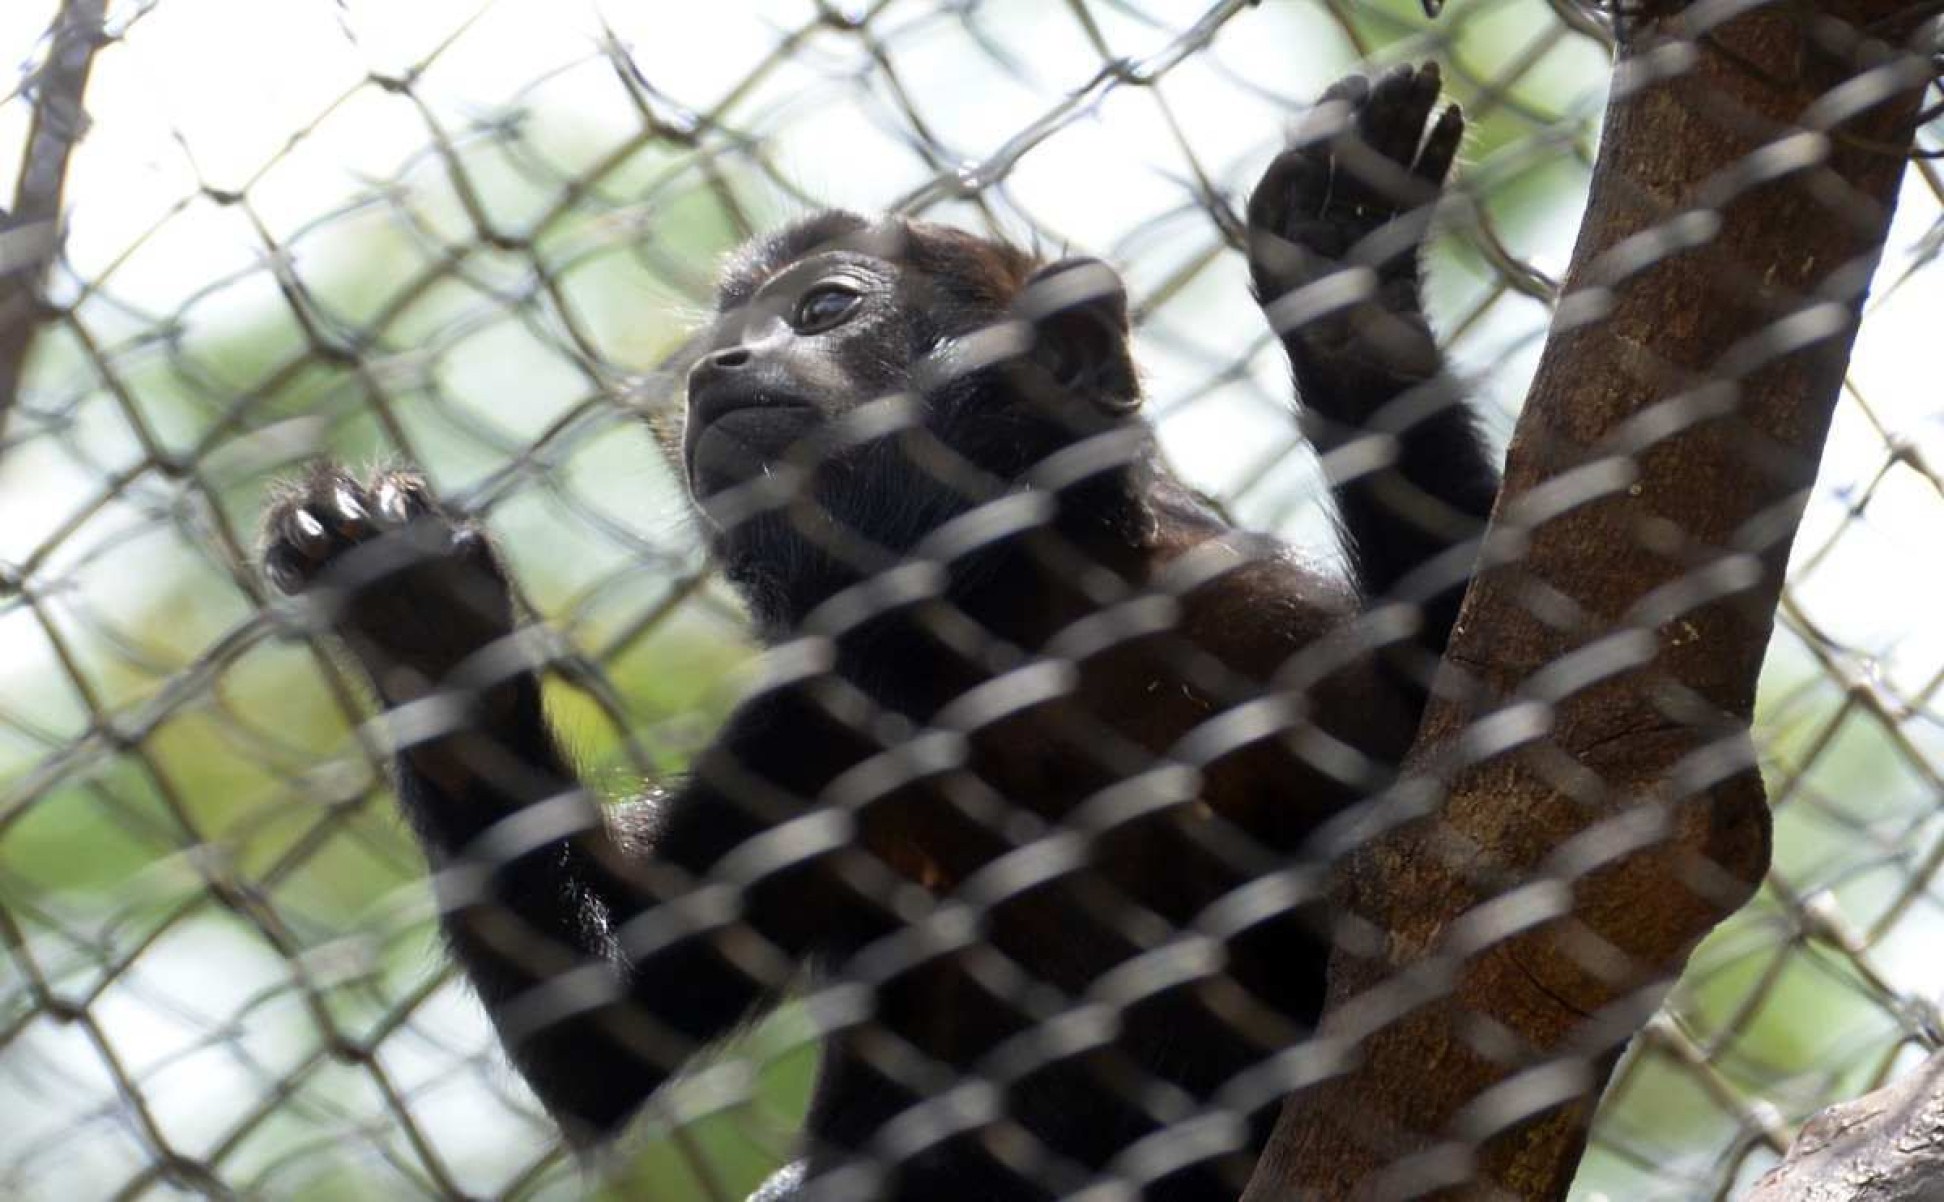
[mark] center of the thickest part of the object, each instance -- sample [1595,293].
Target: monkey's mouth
[744,409]
[737,434]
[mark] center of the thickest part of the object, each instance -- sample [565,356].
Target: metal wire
[470,240]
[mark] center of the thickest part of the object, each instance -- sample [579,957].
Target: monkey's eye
[823,307]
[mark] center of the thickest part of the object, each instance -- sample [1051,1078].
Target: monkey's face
[866,383]
[827,334]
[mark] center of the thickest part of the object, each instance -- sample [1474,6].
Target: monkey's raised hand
[412,592]
[1335,227]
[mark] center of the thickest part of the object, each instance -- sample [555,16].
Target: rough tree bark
[1886,1146]
[1573,823]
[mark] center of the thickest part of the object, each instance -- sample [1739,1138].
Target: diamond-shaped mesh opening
[474,242]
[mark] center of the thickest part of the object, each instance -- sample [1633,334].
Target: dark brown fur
[1035,794]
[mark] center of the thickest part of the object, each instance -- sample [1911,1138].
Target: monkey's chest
[1100,785]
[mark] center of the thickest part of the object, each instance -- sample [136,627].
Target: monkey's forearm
[558,923]
[1409,470]
[549,913]
[592,938]
[525,894]
[1337,226]
[633,940]
[1413,488]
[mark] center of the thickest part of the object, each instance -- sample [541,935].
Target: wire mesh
[469,238]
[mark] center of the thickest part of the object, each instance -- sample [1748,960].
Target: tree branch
[30,234]
[1886,1146]
[1585,808]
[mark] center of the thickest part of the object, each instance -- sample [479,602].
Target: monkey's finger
[1333,114]
[1441,147]
[1352,90]
[284,569]
[388,505]
[300,530]
[343,510]
[398,498]
[1392,121]
[470,544]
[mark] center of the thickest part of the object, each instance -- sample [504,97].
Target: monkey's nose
[716,362]
[715,366]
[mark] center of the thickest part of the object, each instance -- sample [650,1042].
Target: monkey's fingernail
[308,533]
[393,508]
[351,515]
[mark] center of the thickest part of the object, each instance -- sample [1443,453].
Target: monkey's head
[863,383]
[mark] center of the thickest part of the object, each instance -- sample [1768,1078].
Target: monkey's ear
[1078,311]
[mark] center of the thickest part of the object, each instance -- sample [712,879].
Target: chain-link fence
[469,237]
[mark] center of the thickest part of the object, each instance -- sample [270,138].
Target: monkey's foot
[412,591]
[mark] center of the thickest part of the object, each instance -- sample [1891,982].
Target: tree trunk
[1886,1146]
[1582,806]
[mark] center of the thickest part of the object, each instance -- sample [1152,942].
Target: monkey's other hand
[1336,224]
[1356,185]
[412,592]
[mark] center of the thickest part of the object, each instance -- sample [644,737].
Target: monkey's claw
[1368,155]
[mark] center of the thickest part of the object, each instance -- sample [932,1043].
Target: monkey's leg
[533,883]
[1336,227]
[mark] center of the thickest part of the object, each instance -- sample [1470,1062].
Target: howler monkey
[1023,806]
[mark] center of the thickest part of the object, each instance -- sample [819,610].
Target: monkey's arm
[599,991]
[1335,230]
